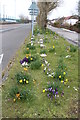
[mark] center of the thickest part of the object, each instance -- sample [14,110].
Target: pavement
[11,38]
[71,36]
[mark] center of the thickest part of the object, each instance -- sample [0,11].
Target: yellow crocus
[42,65]
[33,80]
[61,81]
[65,83]
[53,46]
[51,76]
[44,91]
[20,81]
[64,73]
[27,81]
[60,76]
[18,95]
[25,69]
[27,48]
[31,58]
[66,80]
[29,54]
[14,99]
[24,80]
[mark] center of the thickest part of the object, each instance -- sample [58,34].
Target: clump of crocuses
[54,90]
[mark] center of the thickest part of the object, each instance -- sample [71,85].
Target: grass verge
[37,104]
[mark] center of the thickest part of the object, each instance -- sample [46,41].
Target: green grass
[38,105]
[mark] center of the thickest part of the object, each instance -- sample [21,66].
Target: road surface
[11,37]
[71,36]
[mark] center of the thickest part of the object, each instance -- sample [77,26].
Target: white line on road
[1,57]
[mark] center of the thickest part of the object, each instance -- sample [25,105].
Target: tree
[45,8]
[24,19]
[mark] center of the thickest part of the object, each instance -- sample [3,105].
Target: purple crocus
[24,60]
[56,89]
[50,89]
[62,93]
[51,97]
[48,95]
[53,92]
[56,93]
[21,61]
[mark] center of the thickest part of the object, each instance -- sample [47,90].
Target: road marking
[1,57]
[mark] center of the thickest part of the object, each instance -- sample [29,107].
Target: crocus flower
[18,95]
[51,76]
[14,99]
[64,73]
[60,76]
[21,61]
[53,46]
[20,81]
[56,89]
[48,95]
[50,89]
[27,48]
[66,80]
[25,69]
[56,93]
[62,93]
[31,58]
[65,83]
[55,96]
[24,60]
[62,81]
[29,54]
[53,92]
[42,65]
[27,81]
[44,91]
[51,97]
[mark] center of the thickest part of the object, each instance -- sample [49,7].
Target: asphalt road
[11,38]
[71,36]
